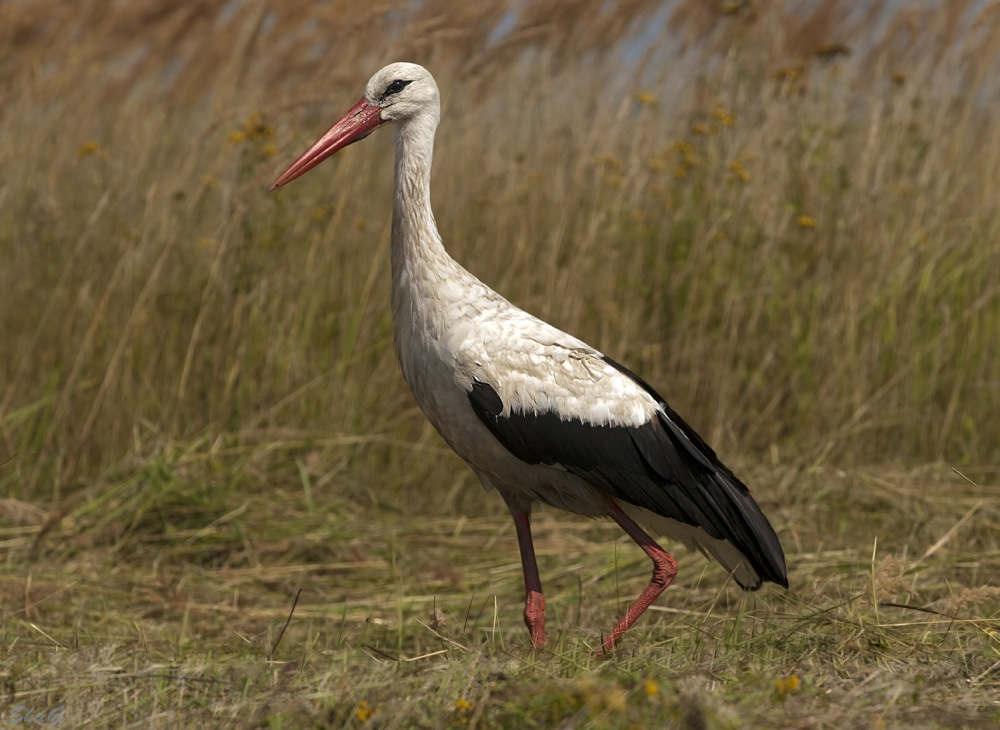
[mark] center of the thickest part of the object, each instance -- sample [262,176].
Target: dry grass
[785,220]
[136,608]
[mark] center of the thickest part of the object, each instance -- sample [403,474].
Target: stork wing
[660,464]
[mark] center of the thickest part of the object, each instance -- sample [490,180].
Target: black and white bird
[539,415]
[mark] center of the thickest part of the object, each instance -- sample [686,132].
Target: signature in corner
[23,713]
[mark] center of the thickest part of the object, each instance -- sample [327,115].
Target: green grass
[161,598]
[201,414]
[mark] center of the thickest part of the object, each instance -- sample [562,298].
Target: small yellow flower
[806,221]
[462,711]
[785,686]
[655,165]
[87,149]
[646,98]
[725,117]
[688,159]
[700,129]
[651,687]
[365,712]
[738,171]
[269,149]
[255,127]
[680,171]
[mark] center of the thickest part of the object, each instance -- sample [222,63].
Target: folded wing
[660,465]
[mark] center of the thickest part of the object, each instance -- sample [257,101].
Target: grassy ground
[786,221]
[162,600]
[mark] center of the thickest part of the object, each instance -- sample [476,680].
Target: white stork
[539,415]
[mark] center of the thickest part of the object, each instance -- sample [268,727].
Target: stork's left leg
[664,570]
[534,601]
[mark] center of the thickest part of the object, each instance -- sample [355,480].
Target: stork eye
[395,87]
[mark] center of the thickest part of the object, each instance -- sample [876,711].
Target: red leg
[534,601]
[664,570]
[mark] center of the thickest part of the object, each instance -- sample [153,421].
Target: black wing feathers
[662,466]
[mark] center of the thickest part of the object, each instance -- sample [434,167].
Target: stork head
[397,93]
[401,91]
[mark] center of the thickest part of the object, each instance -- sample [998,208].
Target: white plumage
[539,415]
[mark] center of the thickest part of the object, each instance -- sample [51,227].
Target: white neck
[427,284]
[416,243]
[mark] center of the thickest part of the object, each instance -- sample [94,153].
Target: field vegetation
[220,504]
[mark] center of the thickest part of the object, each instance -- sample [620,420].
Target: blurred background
[782,214]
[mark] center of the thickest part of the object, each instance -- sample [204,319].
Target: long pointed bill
[358,123]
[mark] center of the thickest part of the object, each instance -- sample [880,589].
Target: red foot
[534,617]
[664,570]
[534,601]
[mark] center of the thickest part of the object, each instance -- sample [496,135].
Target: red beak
[358,123]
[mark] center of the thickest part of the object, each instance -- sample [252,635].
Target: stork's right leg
[664,570]
[534,601]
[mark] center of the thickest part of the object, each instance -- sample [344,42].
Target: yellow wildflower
[688,159]
[806,221]
[257,128]
[365,712]
[651,687]
[700,129]
[725,117]
[785,686]
[738,171]
[462,712]
[646,98]
[87,149]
